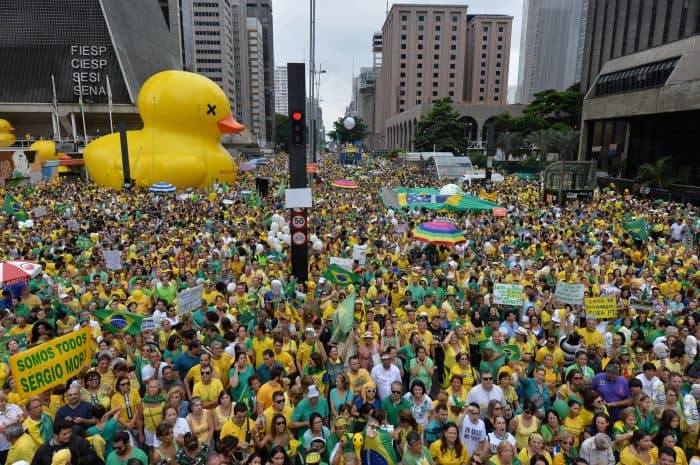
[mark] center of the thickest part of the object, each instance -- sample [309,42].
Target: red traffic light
[297,115]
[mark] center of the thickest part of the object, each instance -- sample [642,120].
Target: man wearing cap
[312,403]
[613,388]
[597,450]
[384,375]
[338,440]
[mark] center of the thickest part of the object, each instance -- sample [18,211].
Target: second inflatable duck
[184,115]
[7,136]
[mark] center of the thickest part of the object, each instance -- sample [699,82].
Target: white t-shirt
[472,434]
[494,440]
[482,397]
[421,412]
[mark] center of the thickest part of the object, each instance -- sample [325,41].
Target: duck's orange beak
[229,125]
[10,129]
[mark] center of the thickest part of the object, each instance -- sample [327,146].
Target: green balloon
[561,408]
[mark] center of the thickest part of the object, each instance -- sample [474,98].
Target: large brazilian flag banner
[51,363]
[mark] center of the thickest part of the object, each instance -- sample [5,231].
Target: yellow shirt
[628,458]
[575,425]
[286,360]
[208,392]
[222,366]
[304,353]
[259,346]
[23,449]
[450,456]
[590,337]
[232,429]
[269,412]
[152,416]
[118,400]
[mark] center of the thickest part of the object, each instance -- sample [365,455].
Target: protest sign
[508,294]
[39,212]
[112,259]
[344,263]
[569,293]
[190,299]
[51,363]
[601,307]
[148,324]
[359,253]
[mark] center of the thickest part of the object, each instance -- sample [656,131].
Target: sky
[343,40]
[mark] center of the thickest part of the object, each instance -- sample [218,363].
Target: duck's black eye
[211,109]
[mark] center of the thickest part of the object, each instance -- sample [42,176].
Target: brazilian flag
[636,227]
[119,321]
[378,450]
[12,207]
[343,319]
[340,276]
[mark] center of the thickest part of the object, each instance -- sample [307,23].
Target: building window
[438,18]
[496,89]
[481,99]
[484,47]
[498,55]
[498,81]
[481,89]
[419,65]
[453,38]
[483,64]
[420,37]
[404,17]
[403,65]
[453,47]
[498,64]
[402,93]
[436,65]
[483,55]
[403,36]
[452,84]
[500,29]
[421,18]
[420,46]
[402,74]
[486,29]
[437,27]
[435,75]
[453,57]
[401,102]
[455,18]
[435,93]
[452,75]
[403,56]
[435,84]
[402,83]
[482,81]
[437,37]
[454,28]
[637,78]
[483,73]
[500,38]
[436,57]
[418,93]
[452,66]
[404,27]
[495,98]
[417,101]
[419,84]
[436,47]
[485,38]
[498,73]
[500,47]
[419,75]
[420,27]
[403,46]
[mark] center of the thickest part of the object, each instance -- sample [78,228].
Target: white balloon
[313,238]
[450,189]
[274,242]
[231,288]
[390,213]
[318,246]
[285,229]
[287,238]
[394,221]
[349,123]
[278,248]
[274,227]
[281,221]
[280,235]
[259,248]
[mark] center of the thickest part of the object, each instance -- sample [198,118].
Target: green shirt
[392,410]
[423,459]
[136,453]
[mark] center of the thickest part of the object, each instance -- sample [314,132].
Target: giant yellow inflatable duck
[7,137]
[183,117]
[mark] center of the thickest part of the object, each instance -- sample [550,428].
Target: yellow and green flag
[343,319]
[636,227]
[12,207]
[119,321]
[338,275]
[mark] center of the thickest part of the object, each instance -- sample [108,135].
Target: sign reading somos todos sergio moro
[51,363]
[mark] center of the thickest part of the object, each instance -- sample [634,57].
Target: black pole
[125,153]
[296,97]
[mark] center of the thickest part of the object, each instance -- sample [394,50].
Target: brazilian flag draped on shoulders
[342,277]
[119,321]
[378,449]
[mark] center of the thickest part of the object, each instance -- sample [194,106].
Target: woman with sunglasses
[129,400]
[567,452]
[279,435]
[493,409]
[94,391]
[368,395]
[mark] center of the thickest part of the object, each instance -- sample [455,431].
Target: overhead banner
[189,300]
[508,294]
[51,363]
[602,307]
[569,293]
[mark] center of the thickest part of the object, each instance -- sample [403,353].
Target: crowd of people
[433,371]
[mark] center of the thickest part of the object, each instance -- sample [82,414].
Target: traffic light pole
[296,91]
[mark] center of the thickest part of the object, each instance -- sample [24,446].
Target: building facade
[257,80]
[615,28]
[430,52]
[487,59]
[281,90]
[94,53]
[240,61]
[262,10]
[551,46]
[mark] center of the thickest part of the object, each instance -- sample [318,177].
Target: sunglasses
[280,423]
[279,401]
[396,392]
[124,384]
[487,378]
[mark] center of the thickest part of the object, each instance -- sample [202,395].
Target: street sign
[298,222]
[312,168]
[299,238]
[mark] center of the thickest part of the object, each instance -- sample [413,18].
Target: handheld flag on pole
[12,207]
[343,319]
[119,321]
[340,276]
[636,227]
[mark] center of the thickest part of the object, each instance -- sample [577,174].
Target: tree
[441,129]
[524,125]
[557,107]
[282,126]
[654,173]
[566,144]
[509,142]
[342,135]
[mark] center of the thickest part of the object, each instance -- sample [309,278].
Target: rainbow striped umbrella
[439,232]
[344,184]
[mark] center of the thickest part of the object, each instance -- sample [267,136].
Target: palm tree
[654,173]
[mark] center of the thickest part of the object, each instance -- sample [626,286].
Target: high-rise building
[240,59]
[551,44]
[88,47]
[615,28]
[488,57]
[281,92]
[262,9]
[430,52]
[257,80]
[213,44]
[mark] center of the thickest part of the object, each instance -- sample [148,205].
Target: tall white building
[240,56]
[256,72]
[213,57]
[551,45]
[281,90]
